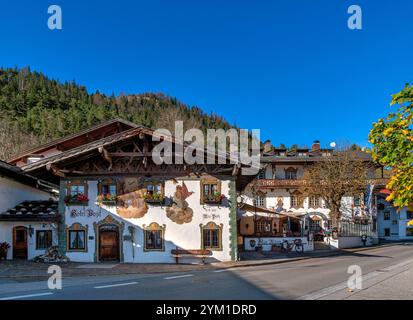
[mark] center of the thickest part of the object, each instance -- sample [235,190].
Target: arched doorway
[109,248]
[318,223]
[19,242]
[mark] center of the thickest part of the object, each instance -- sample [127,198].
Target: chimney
[267,146]
[316,146]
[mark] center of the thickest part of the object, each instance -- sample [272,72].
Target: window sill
[154,250]
[155,202]
[212,202]
[71,204]
[107,203]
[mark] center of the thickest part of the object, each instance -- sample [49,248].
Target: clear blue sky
[291,68]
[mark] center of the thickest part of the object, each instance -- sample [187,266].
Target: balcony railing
[284,183]
[277,183]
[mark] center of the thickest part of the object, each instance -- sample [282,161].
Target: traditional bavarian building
[274,208]
[28,213]
[116,204]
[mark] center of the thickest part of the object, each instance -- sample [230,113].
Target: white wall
[349,242]
[268,241]
[6,234]
[187,235]
[397,224]
[12,193]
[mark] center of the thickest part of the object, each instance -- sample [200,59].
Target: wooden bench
[197,253]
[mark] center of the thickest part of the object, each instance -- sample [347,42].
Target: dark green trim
[61,210]
[233,220]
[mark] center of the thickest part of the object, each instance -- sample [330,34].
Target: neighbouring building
[116,204]
[275,209]
[393,224]
[28,213]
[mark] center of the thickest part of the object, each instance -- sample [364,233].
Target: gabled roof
[86,148]
[80,138]
[94,148]
[17,174]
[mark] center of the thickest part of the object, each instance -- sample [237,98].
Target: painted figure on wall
[132,203]
[180,212]
[280,205]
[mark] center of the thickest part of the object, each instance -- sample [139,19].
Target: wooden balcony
[277,183]
[284,183]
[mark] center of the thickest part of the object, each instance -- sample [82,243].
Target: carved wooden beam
[237,166]
[106,156]
[129,154]
[55,170]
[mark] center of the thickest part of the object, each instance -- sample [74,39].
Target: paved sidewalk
[29,271]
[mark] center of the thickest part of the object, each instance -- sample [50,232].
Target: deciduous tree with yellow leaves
[392,140]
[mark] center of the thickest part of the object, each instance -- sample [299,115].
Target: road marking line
[329,290]
[28,296]
[222,270]
[177,277]
[116,285]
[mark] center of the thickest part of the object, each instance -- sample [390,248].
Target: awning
[255,209]
[385,191]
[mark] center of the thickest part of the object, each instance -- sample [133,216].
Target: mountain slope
[35,109]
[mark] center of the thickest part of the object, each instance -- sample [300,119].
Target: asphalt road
[316,278]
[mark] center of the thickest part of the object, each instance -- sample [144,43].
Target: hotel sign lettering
[83,213]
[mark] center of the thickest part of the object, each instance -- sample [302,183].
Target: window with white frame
[263,225]
[314,201]
[43,239]
[296,200]
[259,201]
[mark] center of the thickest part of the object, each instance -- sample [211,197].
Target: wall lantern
[31,230]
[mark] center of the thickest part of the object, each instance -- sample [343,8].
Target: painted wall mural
[280,205]
[131,204]
[180,212]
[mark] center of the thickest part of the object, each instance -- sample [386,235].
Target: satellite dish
[333,144]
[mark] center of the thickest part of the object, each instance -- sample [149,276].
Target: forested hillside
[35,109]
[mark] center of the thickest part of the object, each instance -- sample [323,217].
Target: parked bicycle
[297,244]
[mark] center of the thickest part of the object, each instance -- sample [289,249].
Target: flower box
[76,200]
[107,200]
[154,198]
[77,203]
[155,201]
[214,199]
[210,201]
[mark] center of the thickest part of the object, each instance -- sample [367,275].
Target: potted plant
[4,247]
[107,199]
[214,198]
[78,199]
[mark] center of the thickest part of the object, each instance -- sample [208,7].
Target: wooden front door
[108,243]
[19,243]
